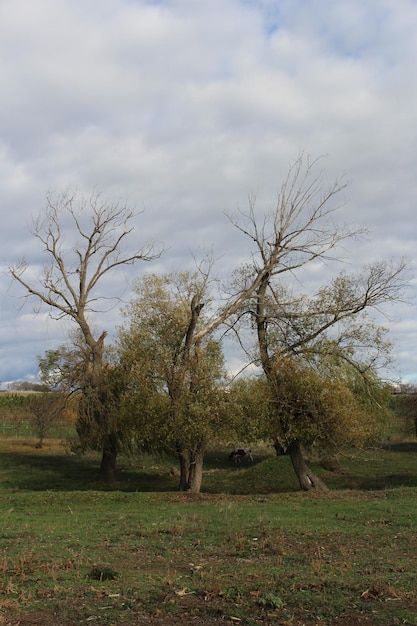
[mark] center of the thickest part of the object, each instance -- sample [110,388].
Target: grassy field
[251,549]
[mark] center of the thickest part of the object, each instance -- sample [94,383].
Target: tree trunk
[307,479]
[191,470]
[196,473]
[107,473]
[184,465]
[279,449]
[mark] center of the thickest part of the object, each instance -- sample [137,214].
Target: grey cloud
[183,109]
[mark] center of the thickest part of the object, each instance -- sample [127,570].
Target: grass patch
[251,549]
[249,558]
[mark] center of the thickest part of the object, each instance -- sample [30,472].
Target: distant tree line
[24,385]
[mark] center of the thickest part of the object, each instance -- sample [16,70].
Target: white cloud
[183,108]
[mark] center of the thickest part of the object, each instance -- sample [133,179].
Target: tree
[83,241]
[176,384]
[324,329]
[404,406]
[46,409]
[328,413]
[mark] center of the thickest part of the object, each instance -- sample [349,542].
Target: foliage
[100,417]
[177,393]
[404,405]
[332,413]
[249,401]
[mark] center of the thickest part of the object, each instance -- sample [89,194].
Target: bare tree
[299,230]
[83,240]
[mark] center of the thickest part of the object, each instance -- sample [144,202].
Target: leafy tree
[49,403]
[177,384]
[404,406]
[82,239]
[46,409]
[65,370]
[330,413]
[298,334]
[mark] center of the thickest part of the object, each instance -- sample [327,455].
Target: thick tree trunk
[307,479]
[196,473]
[191,470]
[107,472]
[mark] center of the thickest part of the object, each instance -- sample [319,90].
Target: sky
[184,109]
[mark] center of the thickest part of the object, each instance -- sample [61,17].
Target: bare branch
[299,230]
[82,239]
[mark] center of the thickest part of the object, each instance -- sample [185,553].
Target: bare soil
[44,618]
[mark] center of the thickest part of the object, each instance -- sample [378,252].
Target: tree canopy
[176,385]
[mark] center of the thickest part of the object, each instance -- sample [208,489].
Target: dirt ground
[40,618]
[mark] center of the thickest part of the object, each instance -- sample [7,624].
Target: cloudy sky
[183,108]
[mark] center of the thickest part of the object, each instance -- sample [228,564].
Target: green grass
[250,549]
[248,558]
[52,467]
[17,418]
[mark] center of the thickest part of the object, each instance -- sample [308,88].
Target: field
[251,549]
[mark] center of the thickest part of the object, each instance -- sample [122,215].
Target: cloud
[183,109]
